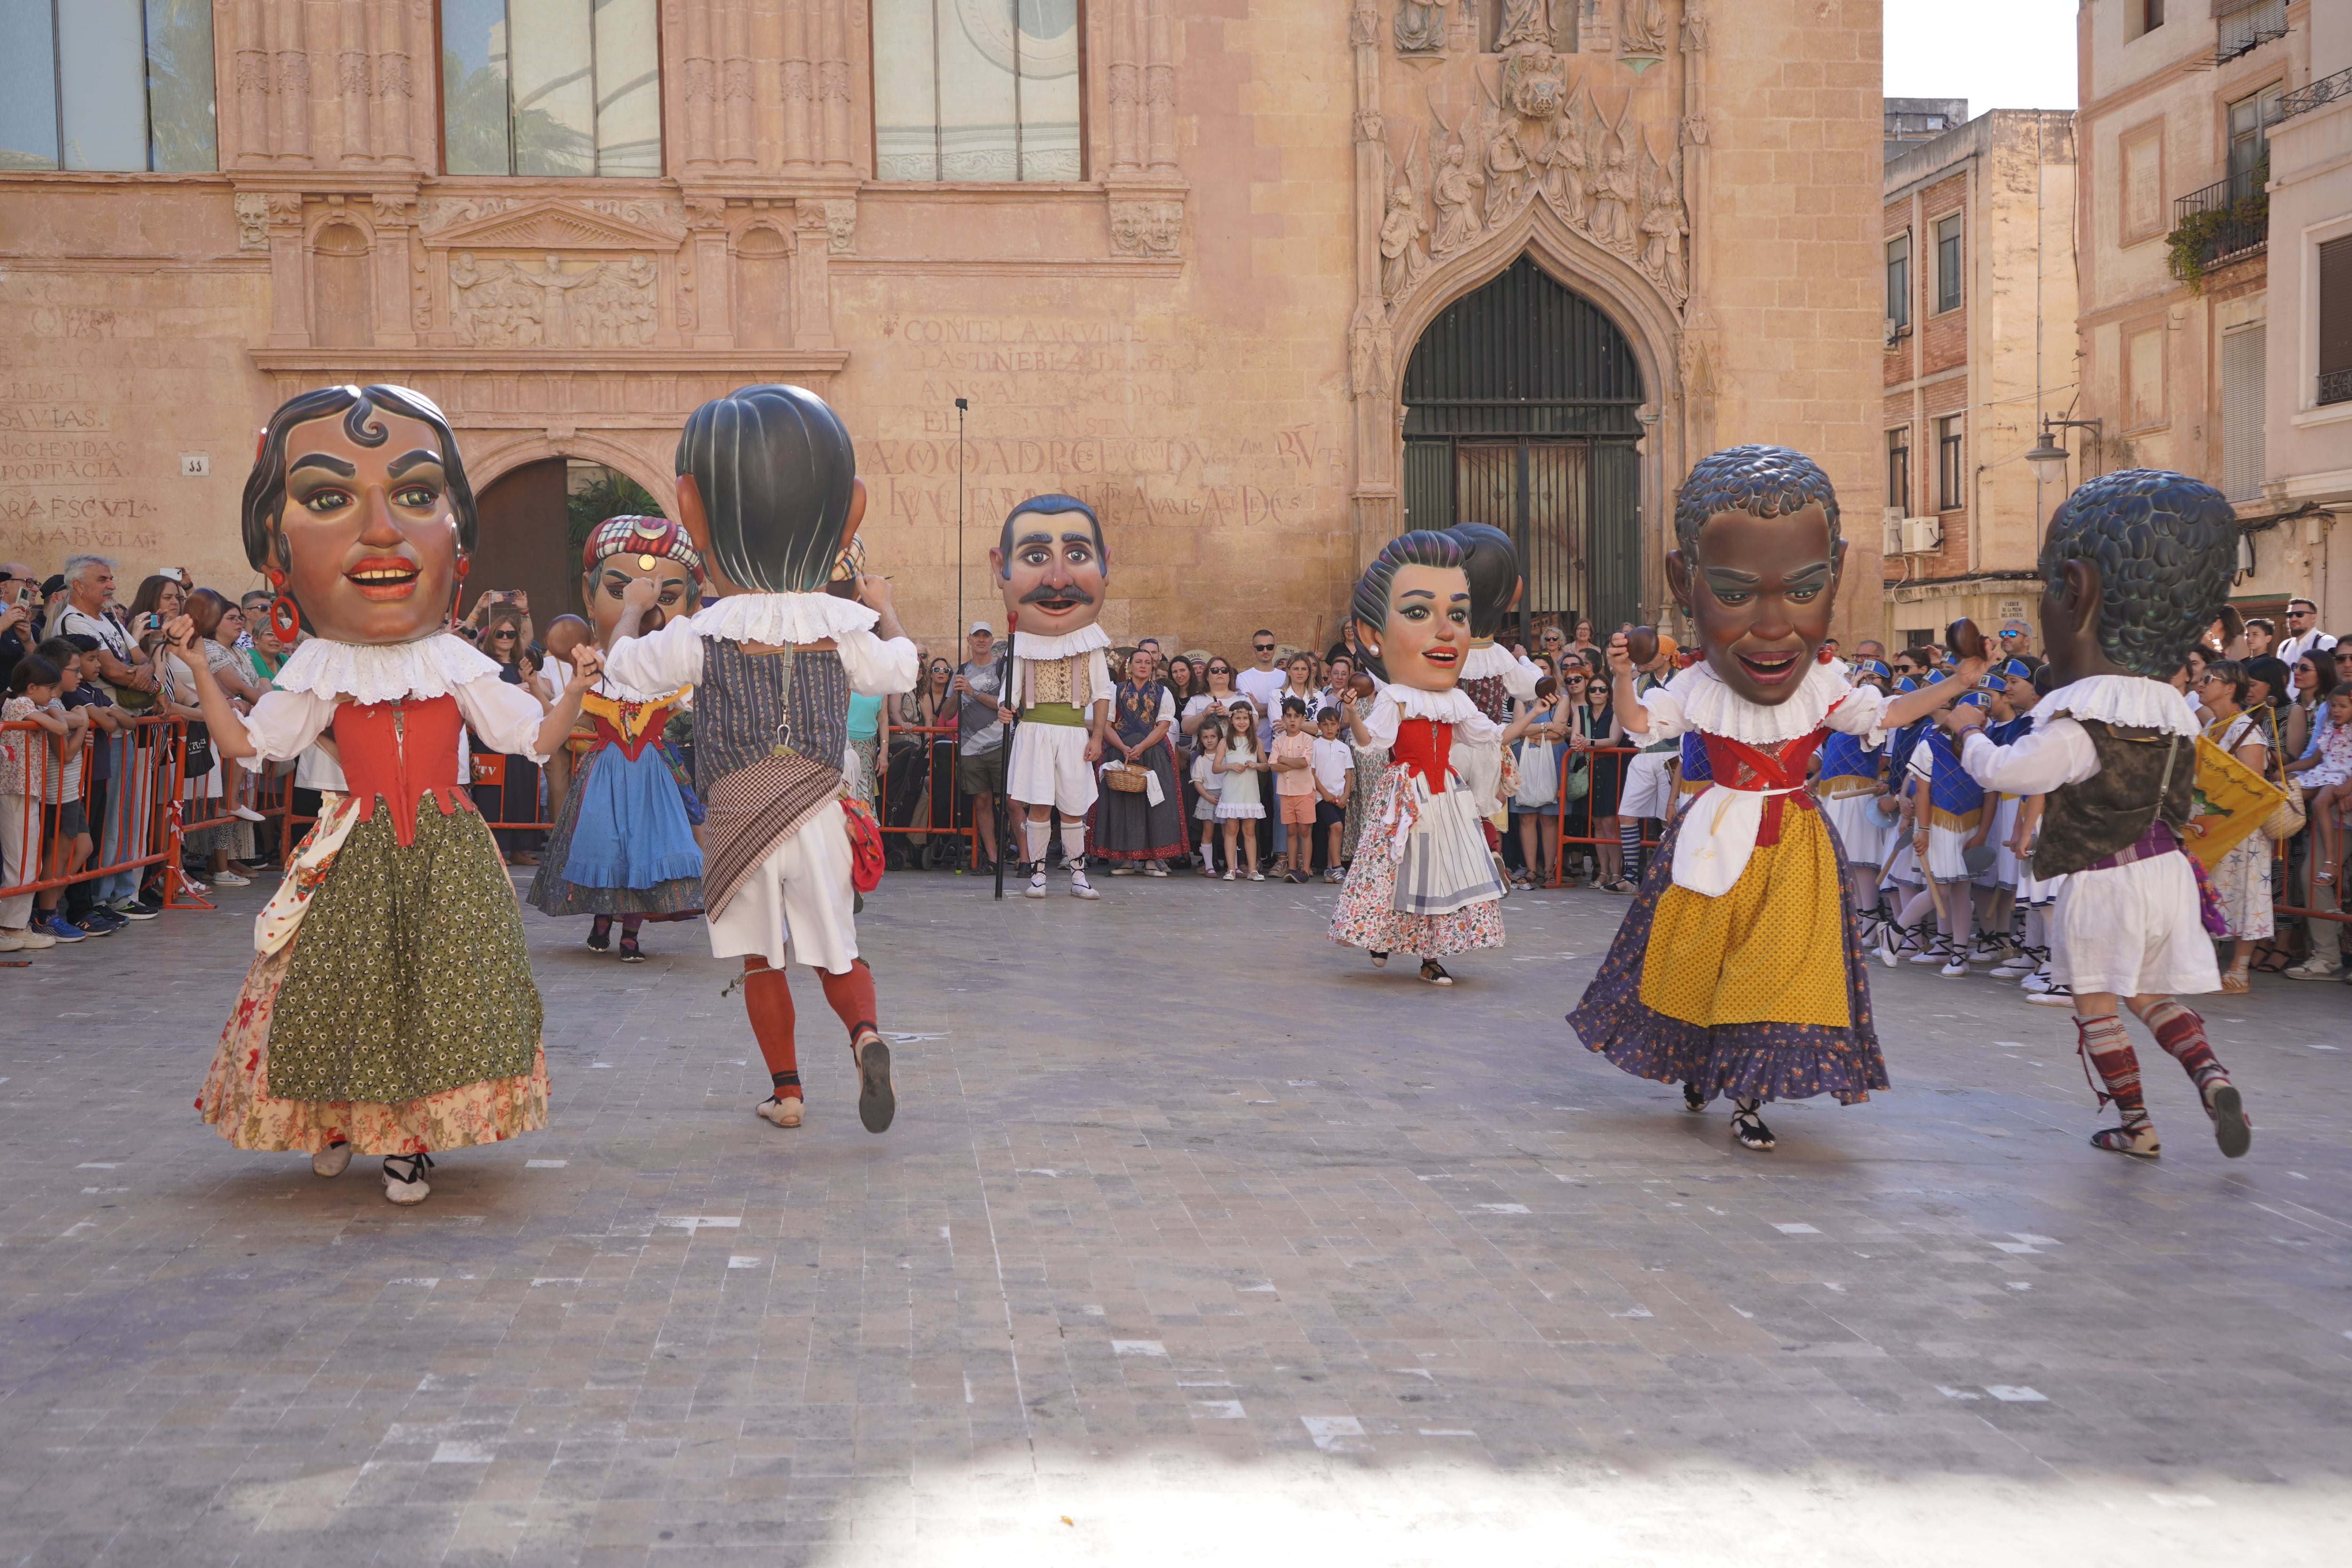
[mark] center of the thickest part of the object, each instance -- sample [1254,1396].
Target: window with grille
[2334,273]
[1948,269]
[2250,142]
[1898,467]
[1898,283]
[550,87]
[1951,490]
[121,85]
[976,90]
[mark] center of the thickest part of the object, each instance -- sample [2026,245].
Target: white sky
[1996,54]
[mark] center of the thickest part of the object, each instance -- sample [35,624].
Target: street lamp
[2048,451]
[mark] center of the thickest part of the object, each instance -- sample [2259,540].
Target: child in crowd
[24,768]
[1335,779]
[51,810]
[1292,759]
[2325,773]
[1207,781]
[1238,762]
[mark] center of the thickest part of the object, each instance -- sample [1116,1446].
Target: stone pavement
[1197,1241]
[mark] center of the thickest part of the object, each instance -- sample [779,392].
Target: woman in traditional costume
[1739,970]
[390,1008]
[1424,882]
[1142,829]
[624,838]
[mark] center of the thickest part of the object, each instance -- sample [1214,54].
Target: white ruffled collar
[1086,639]
[1451,705]
[780,618]
[383,672]
[2129,699]
[1486,660]
[1710,705]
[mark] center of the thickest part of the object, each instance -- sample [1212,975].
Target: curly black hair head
[265,486]
[1491,561]
[2166,546]
[1369,605]
[1760,480]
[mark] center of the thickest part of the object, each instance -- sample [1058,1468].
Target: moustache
[1069,593]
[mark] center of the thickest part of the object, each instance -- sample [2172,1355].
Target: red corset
[1426,746]
[401,751]
[651,718]
[1776,765]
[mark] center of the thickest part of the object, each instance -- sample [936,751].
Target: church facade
[1264,283]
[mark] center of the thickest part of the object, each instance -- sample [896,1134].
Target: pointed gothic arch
[1522,402]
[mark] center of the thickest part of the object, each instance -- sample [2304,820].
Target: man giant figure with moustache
[1051,563]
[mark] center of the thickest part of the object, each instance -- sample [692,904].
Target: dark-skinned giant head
[1756,565]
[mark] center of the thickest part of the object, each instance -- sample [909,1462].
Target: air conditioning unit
[1922,535]
[1891,531]
[1895,330]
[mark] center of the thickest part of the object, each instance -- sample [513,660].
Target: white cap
[979,626]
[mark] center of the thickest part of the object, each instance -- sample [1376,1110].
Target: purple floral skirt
[1743,1061]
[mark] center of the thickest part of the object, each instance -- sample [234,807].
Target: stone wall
[1206,337]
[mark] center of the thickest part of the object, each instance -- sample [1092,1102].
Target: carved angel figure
[1420,26]
[1561,179]
[1456,194]
[1613,222]
[1506,171]
[1645,27]
[1663,224]
[1403,260]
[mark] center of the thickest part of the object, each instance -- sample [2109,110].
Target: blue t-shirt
[865,718]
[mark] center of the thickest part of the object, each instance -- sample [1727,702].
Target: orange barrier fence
[1560,840]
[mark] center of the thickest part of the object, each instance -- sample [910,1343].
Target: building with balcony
[1264,283]
[2180,103]
[1979,251]
[2307,403]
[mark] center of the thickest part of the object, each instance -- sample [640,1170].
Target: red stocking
[768,997]
[851,996]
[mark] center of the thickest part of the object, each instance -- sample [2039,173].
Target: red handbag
[865,845]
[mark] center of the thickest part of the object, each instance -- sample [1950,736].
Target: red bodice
[1426,746]
[1775,766]
[650,721]
[401,751]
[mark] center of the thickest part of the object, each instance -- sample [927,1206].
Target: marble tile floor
[1197,1241]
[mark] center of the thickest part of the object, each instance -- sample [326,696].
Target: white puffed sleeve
[875,667]
[505,717]
[283,725]
[1860,711]
[668,659]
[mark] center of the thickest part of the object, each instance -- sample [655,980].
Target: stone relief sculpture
[1665,226]
[1523,22]
[1420,26]
[511,304]
[1454,191]
[1403,258]
[1148,228]
[1370,364]
[1644,27]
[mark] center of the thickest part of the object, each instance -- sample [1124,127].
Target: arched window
[550,87]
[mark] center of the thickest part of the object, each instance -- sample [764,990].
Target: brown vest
[2089,821]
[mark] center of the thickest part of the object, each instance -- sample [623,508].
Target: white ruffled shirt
[672,657]
[1030,651]
[1486,660]
[321,676]
[2059,751]
[1717,837]
[1392,705]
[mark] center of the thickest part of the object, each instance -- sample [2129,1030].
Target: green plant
[2189,244]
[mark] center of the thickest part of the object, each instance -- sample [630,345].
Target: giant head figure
[1491,561]
[1410,616]
[358,510]
[768,489]
[621,550]
[2134,567]
[1051,563]
[1756,565]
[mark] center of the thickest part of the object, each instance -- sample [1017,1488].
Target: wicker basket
[1128,780]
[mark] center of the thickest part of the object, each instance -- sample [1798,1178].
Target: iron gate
[1520,405]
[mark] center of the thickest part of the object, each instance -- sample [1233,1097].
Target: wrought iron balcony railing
[2334,386]
[2327,89]
[2227,221]
[2247,28]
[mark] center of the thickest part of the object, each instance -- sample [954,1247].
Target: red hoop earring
[285,616]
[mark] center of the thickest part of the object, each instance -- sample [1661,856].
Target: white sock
[1073,841]
[1038,835]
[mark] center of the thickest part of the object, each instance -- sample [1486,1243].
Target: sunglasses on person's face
[502,636]
[1262,647]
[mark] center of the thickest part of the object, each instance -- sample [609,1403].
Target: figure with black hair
[390,1007]
[1738,971]
[1054,569]
[768,490]
[2134,567]
[1493,676]
[1424,881]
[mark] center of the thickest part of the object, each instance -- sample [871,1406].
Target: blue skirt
[623,843]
